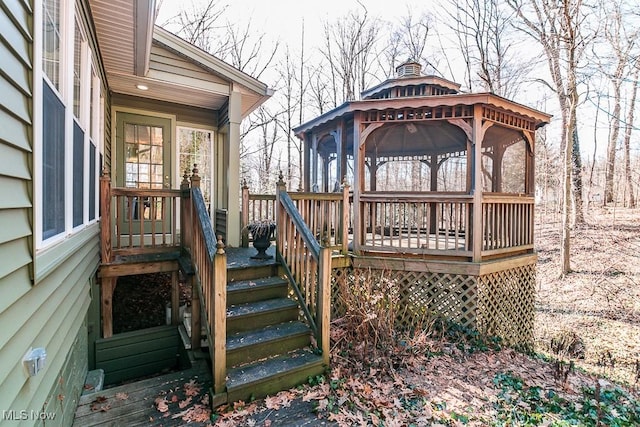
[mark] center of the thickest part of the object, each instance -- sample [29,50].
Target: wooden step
[270,376]
[239,273]
[253,315]
[272,340]
[256,290]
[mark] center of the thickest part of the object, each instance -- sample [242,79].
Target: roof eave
[145,18]
[177,44]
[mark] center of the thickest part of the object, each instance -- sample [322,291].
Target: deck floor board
[135,403]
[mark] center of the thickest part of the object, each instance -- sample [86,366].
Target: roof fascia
[144,20]
[209,62]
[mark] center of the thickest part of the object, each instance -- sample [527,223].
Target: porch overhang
[127,38]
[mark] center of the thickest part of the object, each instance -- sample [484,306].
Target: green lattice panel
[506,304]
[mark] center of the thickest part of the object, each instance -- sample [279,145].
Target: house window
[51,38]
[195,146]
[78,175]
[92,182]
[69,132]
[78,40]
[53,164]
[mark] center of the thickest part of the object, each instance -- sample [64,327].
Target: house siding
[43,303]
[183,113]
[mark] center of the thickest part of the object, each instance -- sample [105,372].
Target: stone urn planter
[261,231]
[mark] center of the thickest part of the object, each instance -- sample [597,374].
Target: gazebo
[472,197]
[457,236]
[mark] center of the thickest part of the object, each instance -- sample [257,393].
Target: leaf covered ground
[584,370]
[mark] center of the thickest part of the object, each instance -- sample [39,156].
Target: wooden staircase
[268,347]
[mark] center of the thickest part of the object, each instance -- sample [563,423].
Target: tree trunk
[631,200]
[576,157]
[611,146]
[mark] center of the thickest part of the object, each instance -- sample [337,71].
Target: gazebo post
[476,183]
[433,186]
[358,183]
[314,162]
[337,137]
[496,179]
[342,152]
[306,185]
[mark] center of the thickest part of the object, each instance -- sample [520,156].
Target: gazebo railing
[415,222]
[434,224]
[507,223]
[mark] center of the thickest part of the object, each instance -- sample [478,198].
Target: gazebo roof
[412,90]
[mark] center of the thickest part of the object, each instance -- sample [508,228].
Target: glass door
[144,153]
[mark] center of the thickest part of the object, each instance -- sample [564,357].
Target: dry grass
[600,300]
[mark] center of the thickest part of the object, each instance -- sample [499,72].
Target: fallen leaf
[122,396]
[184,403]
[161,404]
[191,388]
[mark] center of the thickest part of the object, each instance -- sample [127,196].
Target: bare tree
[558,27]
[621,44]
[631,200]
[247,50]
[483,35]
[348,49]
[199,23]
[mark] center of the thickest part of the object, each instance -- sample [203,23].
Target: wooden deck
[136,403]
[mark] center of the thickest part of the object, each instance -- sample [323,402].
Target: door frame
[117,144]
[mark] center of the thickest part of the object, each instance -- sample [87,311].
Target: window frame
[90,121]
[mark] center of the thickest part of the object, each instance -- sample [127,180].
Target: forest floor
[584,369]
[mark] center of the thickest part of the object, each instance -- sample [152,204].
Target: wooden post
[175,298]
[280,186]
[476,165]
[358,184]
[323,314]
[219,319]
[195,178]
[107,288]
[244,217]
[196,325]
[433,186]
[185,212]
[105,217]
[345,216]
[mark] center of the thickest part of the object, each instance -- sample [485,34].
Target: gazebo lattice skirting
[496,302]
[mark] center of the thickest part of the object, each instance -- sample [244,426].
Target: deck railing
[308,266]
[210,290]
[415,222]
[144,220]
[507,223]
[327,215]
[433,224]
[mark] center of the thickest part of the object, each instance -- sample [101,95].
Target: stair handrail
[307,264]
[210,265]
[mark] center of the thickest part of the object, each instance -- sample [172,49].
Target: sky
[282,20]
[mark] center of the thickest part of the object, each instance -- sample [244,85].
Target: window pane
[52,164]
[77,62]
[195,147]
[78,174]
[51,41]
[92,182]
[143,162]
[93,125]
